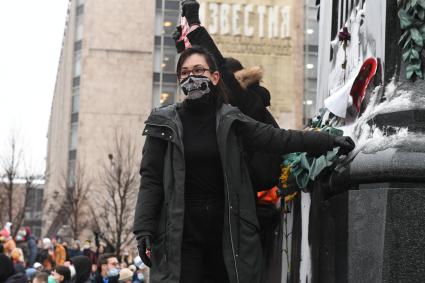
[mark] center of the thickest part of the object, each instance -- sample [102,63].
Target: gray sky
[31,37]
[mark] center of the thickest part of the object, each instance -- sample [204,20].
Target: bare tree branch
[118,179]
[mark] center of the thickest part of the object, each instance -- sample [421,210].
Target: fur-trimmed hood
[249,76]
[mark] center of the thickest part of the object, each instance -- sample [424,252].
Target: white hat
[37,265]
[47,243]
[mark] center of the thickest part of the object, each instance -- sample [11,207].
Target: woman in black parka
[195,217]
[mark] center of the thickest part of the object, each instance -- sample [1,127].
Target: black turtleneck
[204,173]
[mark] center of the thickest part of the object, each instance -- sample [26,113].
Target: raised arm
[257,136]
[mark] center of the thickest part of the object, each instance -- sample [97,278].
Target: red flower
[344,35]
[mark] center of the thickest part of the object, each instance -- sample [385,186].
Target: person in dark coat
[195,218]
[107,269]
[6,267]
[82,266]
[19,276]
[245,92]
[32,247]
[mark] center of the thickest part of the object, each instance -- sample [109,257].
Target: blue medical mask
[114,272]
[51,279]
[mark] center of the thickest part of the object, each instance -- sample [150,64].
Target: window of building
[168,65]
[79,27]
[75,103]
[74,117]
[80,10]
[76,82]
[166,24]
[77,63]
[72,154]
[167,95]
[76,90]
[71,173]
[166,78]
[168,41]
[74,136]
[78,45]
[80,2]
[173,5]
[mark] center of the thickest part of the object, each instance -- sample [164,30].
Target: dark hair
[41,277]
[232,64]
[64,271]
[103,259]
[220,88]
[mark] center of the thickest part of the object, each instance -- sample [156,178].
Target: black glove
[190,10]
[345,143]
[144,246]
[179,43]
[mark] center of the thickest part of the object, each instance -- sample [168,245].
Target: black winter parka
[160,204]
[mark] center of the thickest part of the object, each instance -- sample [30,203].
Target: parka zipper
[229,208]
[230,226]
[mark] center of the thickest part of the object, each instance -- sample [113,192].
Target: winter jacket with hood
[82,265]
[160,205]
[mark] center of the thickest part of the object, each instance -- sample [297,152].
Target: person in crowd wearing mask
[139,276]
[21,242]
[107,269]
[40,277]
[246,93]
[61,274]
[59,253]
[32,246]
[126,276]
[194,176]
[81,266]
[142,272]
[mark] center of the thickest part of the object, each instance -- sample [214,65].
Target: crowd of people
[24,259]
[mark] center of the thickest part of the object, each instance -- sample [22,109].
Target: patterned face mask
[196,86]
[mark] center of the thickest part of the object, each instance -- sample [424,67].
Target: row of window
[165,56]
[75,103]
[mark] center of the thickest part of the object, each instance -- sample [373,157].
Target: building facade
[118,62]
[104,83]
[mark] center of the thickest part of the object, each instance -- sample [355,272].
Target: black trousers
[202,252]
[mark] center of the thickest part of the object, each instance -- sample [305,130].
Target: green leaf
[421,14]
[413,67]
[414,54]
[408,41]
[416,36]
[405,19]
[404,36]
[409,74]
[421,3]
[406,55]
